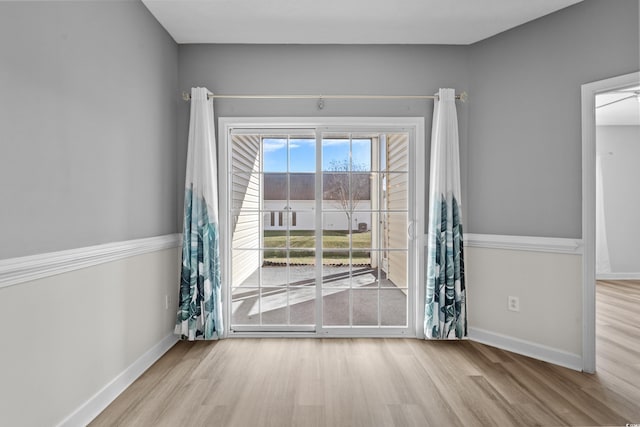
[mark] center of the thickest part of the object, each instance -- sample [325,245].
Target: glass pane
[274,154]
[334,234]
[394,187]
[336,194]
[244,306]
[245,232]
[344,192]
[274,238]
[377,260]
[362,236]
[274,268]
[245,193]
[273,305]
[361,257]
[370,199]
[302,155]
[397,152]
[363,276]
[393,307]
[360,195]
[302,268]
[336,269]
[302,239]
[368,236]
[395,269]
[365,307]
[335,154]
[395,225]
[274,191]
[380,264]
[335,307]
[302,192]
[245,155]
[302,302]
[303,220]
[360,155]
[245,268]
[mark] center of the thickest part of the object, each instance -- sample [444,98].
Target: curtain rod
[187,97]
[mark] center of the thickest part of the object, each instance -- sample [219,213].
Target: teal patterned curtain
[200,308]
[445,297]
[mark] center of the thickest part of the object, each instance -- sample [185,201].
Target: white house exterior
[299,212]
[301,215]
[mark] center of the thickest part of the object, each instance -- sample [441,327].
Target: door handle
[410,233]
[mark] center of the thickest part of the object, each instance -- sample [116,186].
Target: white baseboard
[103,398]
[14,271]
[617,276]
[527,348]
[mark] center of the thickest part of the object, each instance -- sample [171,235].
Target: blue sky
[302,154]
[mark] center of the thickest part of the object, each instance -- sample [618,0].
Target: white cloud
[270,145]
[334,142]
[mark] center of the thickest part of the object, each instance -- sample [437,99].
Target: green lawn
[307,240]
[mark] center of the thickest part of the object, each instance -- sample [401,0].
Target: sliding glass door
[320,231]
[364,230]
[273,231]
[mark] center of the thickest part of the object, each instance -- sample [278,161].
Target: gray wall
[619,147]
[322,69]
[87,125]
[524,124]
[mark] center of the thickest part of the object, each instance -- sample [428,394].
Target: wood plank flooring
[389,382]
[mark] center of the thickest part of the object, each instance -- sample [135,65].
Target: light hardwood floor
[389,382]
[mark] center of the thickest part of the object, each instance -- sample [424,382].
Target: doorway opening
[617,228]
[321,224]
[589,161]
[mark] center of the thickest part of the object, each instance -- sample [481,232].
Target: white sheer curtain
[603,263]
[445,295]
[200,309]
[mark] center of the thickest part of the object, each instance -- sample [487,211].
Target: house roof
[302,186]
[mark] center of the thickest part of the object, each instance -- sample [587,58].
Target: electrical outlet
[513,303]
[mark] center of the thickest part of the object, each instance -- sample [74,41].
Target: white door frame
[414,125]
[589,92]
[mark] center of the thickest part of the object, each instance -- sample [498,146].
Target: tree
[336,186]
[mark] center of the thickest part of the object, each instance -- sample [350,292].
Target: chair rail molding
[14,271]
[523,243]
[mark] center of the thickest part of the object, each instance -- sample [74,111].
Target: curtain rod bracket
[187,97]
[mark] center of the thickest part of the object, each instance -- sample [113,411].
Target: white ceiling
[345,21]
[624,112]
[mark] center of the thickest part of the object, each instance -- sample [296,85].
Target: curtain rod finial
[464,96]
[186,96]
